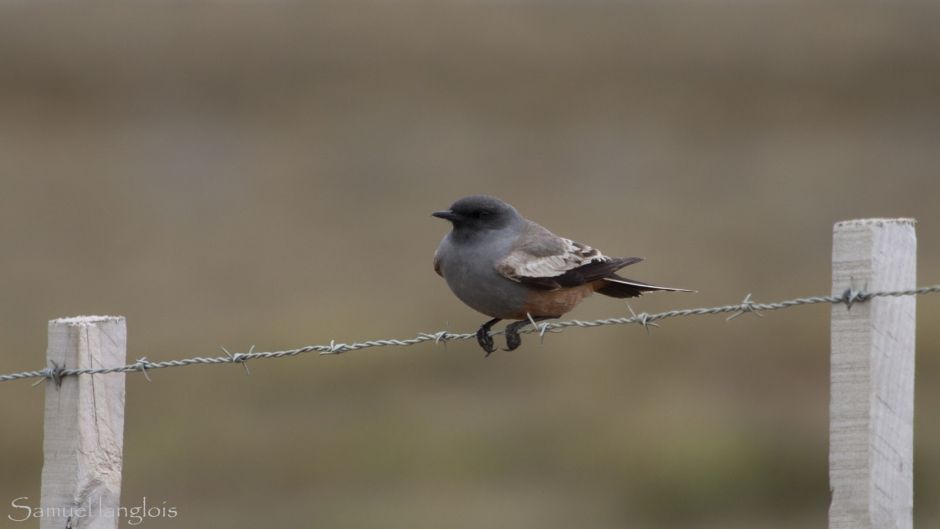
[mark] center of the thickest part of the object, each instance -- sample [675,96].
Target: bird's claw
[513,340]
[485,340]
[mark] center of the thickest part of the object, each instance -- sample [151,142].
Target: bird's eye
[481,213]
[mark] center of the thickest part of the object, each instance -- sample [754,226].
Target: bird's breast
[470,272]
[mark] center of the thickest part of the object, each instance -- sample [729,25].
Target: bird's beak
[446,215]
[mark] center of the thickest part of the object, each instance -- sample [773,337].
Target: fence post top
[874,222]
[85,320]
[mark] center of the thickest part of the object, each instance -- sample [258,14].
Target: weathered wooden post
[871,411]
[84,425]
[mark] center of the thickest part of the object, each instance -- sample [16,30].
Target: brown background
[239,173]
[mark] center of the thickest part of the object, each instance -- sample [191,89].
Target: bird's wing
[545,260]
[437,262]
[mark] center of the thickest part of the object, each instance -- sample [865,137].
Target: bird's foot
[513,340]
[484,338]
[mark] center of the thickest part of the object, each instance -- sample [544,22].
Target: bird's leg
[484,338]
[513,340]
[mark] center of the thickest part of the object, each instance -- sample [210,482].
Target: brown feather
[586,273]
[621,287]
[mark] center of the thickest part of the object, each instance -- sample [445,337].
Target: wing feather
[437,262]
[544,260]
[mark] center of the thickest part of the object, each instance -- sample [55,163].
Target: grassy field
[233,174]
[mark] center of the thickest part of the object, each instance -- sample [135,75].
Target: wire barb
[440,337]
[746,306]
[142,364]
[334,348]
[851,296]
[239,358]
[54,373]
[643,319]
[540,328]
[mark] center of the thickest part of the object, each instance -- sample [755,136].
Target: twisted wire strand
[849,297]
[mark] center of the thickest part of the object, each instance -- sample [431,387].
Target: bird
[508,267]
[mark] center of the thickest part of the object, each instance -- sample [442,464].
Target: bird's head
[479,213]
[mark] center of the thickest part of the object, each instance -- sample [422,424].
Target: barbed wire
[55,373]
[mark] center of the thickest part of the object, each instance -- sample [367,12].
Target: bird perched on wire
[510,268]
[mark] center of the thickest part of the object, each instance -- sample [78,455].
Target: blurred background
[241,173]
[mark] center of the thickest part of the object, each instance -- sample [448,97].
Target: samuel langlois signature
[23,511]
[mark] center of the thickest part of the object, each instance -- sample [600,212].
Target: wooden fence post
[84,425]
[871,411]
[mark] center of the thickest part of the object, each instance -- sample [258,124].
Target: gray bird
[510,268]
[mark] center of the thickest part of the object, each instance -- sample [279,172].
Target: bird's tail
[621,287]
